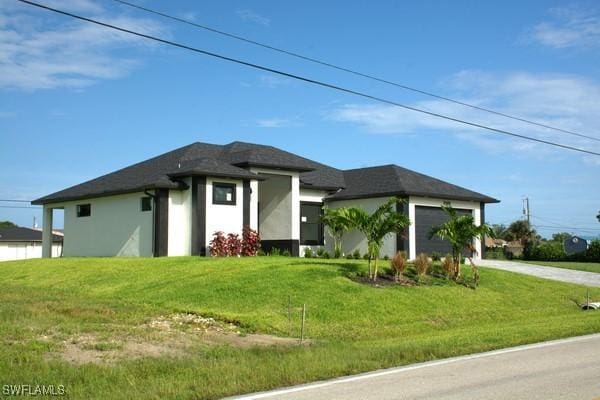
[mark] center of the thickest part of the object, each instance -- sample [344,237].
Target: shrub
[250,242]
[422,264]
[261,253]
[356,254]
[337,253]
[349,257]
[398,264]
[386,257]
[308,253]
[593,251]
[325,255]
[275,252]
[286,253]
[448,266]
[234,245]
[218,245]
[435,256]
[320,252]
[366,256]
[549,251]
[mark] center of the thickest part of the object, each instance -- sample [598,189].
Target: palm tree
[337,223]
[384,220]
[460,230]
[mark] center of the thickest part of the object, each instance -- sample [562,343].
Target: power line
[308,80]
[352,71]
[558,225]
[39,208]
[569,228]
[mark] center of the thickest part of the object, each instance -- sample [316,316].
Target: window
[84,210]
[146,203]
[224,193]
[311,227]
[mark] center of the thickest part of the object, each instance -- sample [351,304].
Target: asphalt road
[557,274]
[562,369]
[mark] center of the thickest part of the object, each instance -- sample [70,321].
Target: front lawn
[580,266]
[134,328]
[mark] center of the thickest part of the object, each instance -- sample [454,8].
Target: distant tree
[598,216]
[7,224]
[500,230]
[560,237]
[521,230]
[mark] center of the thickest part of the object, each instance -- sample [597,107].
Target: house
[495,243]
[18,243]
[171,205]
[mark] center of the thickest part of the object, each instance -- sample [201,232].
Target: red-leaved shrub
[218,244]
[234,244]
[250,242]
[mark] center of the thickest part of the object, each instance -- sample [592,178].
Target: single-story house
[171,205]
[18,243]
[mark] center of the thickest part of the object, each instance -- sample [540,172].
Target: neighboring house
[171,205]
[494,243]
[17,243]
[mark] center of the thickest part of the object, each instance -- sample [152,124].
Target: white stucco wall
[279,198]
[224,217]
[356,240]
[25,250]
[425,201]
[180,221]
[116,227]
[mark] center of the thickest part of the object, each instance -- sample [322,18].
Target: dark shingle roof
[196,159]
[231,160]
[387,180]
[20,234]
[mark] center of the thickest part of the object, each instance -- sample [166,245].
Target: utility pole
[526,210]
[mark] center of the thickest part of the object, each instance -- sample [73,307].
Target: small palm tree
[337,222]
[460,230]
[376,227]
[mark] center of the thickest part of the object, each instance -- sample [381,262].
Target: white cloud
[566,101]
[569,27]
[39,52]
[253,16]
[277,123]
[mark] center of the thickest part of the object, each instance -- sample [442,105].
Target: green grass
[355,327]
[580,266]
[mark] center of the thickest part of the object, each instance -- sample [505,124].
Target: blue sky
[78,101]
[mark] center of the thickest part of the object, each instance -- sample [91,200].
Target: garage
[425,219]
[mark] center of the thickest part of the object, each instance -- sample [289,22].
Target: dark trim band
[198,215]
[161,223]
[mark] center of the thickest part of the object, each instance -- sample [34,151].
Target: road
[562,369]
[557,274]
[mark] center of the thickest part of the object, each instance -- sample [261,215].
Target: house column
[47,232]
[295,215]
[478,221]
[254,204]
[412,230]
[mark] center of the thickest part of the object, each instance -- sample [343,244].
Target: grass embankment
[44,304]
[580,266]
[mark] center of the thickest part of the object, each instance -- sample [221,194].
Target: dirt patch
[163,336]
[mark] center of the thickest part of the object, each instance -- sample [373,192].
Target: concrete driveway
[563,369]
[557,274]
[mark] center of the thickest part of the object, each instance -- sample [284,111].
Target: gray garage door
[425,219]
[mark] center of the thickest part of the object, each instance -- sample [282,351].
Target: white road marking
[396,370]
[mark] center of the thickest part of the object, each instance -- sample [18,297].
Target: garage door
[425,219]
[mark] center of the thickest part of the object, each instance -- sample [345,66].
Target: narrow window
[311,227]
[224,193]
[146,204]
[84,210]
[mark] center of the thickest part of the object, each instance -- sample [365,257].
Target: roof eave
[247,164]
[218,174]
[485,199]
